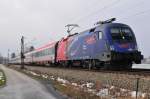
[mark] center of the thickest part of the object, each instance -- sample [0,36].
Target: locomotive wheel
[83,64]
[64,64]
[69,64]
[92,64]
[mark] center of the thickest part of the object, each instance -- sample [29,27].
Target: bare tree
[1,59]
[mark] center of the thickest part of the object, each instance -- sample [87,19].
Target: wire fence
[127,88]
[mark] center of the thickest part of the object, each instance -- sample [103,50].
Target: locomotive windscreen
[121,35]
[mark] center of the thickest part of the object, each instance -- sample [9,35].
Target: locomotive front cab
[122,39]
[123,44]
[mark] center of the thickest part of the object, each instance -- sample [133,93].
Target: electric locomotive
[108,45]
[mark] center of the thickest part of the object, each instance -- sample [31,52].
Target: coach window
[49,51]
[100,35]
[53,50]
[46,51]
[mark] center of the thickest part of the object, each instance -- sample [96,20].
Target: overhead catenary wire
[131,9]
[111,5]
[136,5]
[103,8]
[136,14]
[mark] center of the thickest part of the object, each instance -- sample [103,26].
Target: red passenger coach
[45,54]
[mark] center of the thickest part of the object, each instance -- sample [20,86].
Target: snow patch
[52,78]
[33,73]
[74,84]
[83,85]
[45,76]
[123,90]
[62,80]
[139,94]
[103,92]
[133,94]
[144,95]
[89,85]
[63,84]
[112,87]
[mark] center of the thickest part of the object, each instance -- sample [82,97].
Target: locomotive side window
[100,35]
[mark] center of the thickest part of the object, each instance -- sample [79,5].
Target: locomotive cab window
[121,34]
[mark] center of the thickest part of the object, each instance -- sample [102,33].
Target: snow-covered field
[141,66]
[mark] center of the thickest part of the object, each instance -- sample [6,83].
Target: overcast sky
[42,21]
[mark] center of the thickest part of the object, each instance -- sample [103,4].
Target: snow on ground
[141,66]
[31,72]
[139,94]
[52,77]
[74,84]
[62,80]
[45,76]
[89,85]
[103,92]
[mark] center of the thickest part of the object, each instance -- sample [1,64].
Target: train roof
[104,26]
[49,45]
[96,28]
[113,24]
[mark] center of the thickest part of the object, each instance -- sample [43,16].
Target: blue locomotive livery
[108,45]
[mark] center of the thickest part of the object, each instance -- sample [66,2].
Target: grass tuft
[2,78]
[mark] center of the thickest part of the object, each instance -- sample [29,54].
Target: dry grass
[2,78]
[73,92]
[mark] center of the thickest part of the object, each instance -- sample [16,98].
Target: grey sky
[41,21]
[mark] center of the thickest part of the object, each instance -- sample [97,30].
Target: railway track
[134,72]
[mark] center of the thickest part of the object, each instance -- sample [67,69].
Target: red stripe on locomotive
[62,49]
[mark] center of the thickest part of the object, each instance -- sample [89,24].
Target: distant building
[146,60]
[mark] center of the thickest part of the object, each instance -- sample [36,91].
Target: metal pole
[8,58]
[22,52]
[137,87]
